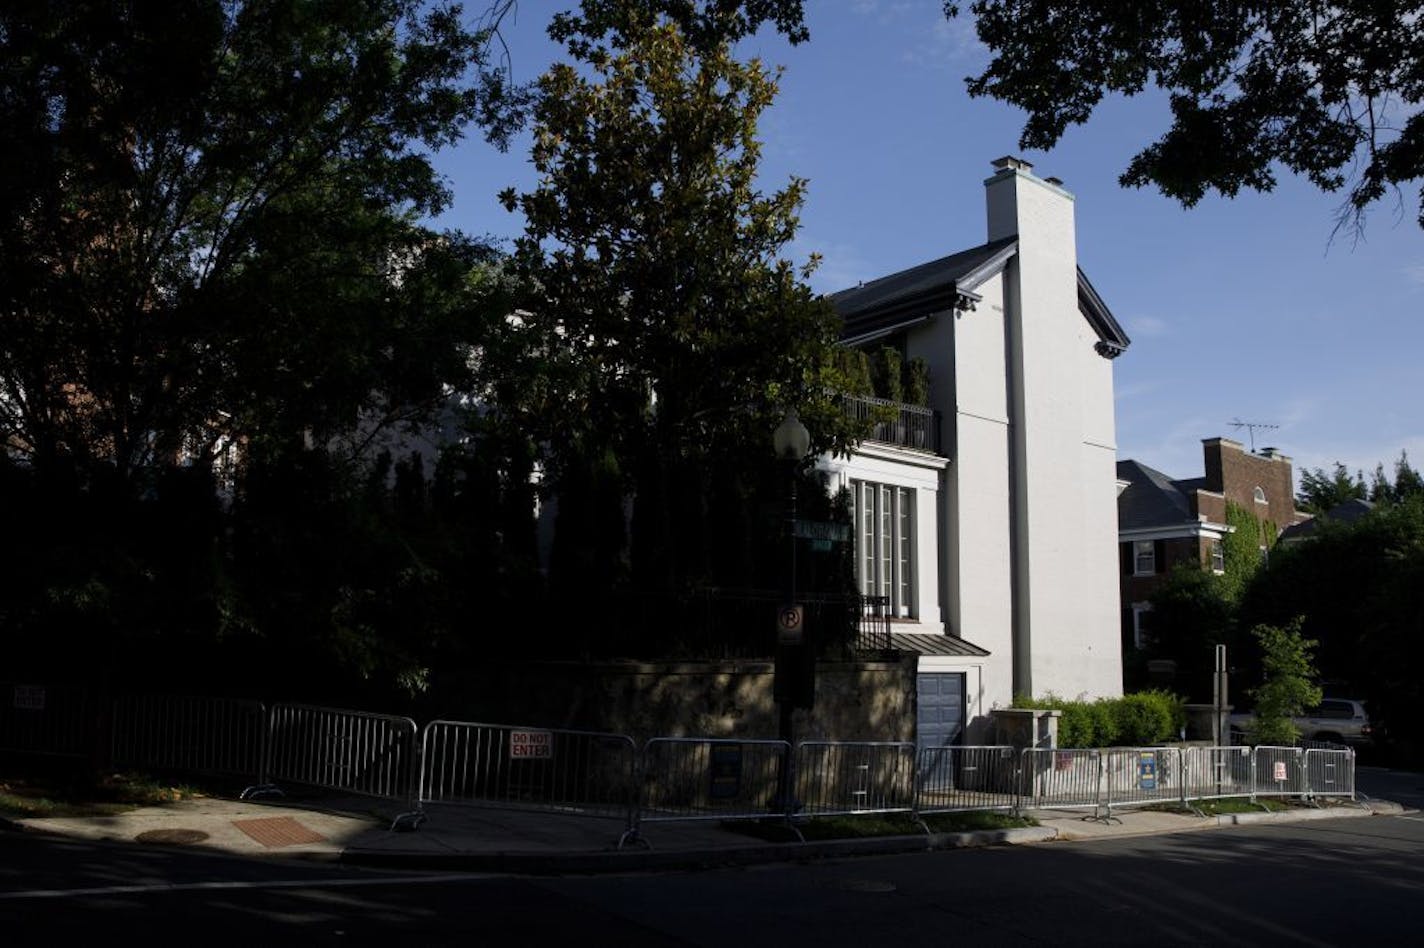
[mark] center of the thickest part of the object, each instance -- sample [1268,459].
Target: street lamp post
[792,685]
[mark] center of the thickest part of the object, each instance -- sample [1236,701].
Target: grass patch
[38,797]
[873,825]
[1222,807]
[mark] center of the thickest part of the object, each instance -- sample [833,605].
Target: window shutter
[1159,555]
[1125,555]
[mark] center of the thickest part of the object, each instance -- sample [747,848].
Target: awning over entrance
[935,643]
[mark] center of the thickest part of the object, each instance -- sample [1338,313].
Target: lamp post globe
[791,439]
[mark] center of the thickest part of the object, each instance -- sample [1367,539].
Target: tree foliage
[1327,90]
[1288,682]
[1406,483]
[1320,491]
[209,228]
[208,220]
[671,330]
[1358,586]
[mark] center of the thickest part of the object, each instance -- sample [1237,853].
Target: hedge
[1136,720]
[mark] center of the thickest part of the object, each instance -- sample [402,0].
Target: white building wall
[1064,638]
[972,397]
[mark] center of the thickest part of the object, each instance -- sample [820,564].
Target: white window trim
[902,584]
[1138,610]
[1151,548]
[1217,552]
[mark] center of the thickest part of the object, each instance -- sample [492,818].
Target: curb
[1374,808]
[638,860]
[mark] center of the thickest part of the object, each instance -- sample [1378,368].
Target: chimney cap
[1010,161]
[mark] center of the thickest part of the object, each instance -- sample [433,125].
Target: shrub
[1148,717]
[1141,719]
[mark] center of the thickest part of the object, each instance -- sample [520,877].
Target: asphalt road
[1329,882]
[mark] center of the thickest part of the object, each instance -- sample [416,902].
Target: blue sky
[1238,309]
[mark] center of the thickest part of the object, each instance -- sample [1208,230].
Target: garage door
[941,708]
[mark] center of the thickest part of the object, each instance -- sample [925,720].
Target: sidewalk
[502,840]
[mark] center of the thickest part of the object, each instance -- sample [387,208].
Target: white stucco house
[995,543]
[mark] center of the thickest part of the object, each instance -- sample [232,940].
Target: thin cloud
[1148,327]
[946,44]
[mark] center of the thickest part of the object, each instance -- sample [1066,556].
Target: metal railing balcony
[897,423]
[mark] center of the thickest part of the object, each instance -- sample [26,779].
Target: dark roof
[935,643]
[1346,512]
[1091,305]
[917,293]
[1151,499]
[912,296]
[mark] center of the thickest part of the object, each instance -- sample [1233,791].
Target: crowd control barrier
[344,751]
[46,719]
[854,777]
[198,735]
[1217,773]
[691,778]
[524,767]
[667,779]
[1141,776]
[1330,773]
[957,779]
[1060,779]
[1278,771]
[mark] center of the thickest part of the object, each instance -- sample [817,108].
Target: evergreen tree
[1320,491]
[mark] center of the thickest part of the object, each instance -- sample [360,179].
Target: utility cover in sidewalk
[277,831]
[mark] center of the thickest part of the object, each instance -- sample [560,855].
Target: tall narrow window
[1144,557]
[884,517]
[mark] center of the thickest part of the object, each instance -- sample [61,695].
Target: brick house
[1163,522]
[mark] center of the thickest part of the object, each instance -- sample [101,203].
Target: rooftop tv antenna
[1252,427]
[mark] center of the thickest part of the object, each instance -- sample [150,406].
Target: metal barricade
[1060,779]
[1141,776]
[198,735]
[841,777]
[344,751]
[1278,771]
[689,778]
[953,779]
[1217,773]
[48,719]
[578,772]
[1330,773]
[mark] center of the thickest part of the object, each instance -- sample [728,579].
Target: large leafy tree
[208,220]
[1358,586]
[673,332]
[1329,90]
[210,234]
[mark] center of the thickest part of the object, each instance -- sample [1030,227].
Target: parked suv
[1336,720]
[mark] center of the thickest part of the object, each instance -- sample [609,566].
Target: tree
[208,221]
[1288,686]
[706,24]
[1407,482]
[672,332]
[1320,491]
[1320,88]
[210,235]
[1195,609]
